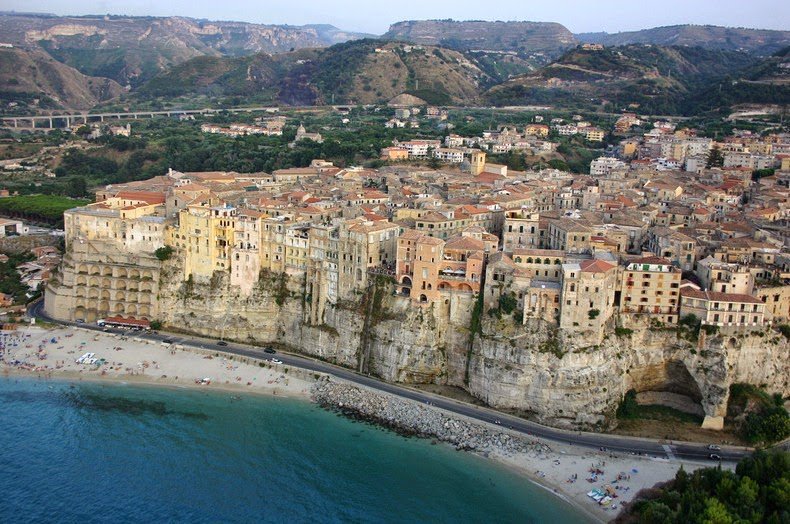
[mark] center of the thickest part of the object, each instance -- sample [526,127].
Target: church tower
[478,161]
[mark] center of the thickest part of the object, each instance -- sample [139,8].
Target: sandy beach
[564,469]
[53,353]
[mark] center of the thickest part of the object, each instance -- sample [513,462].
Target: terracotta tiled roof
[719,297]
[652,260]
[146,196]
[596,266]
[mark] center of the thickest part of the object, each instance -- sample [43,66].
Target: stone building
[725,277]
[245,255]
[668,243]
[521,230]
[207,236]
[777,302]
[109,268]
[722,309]
[566,234]
[541,264]
[588,296]
[651,286]
[428,266]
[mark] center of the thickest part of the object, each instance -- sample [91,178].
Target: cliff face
[532,368]
[531,37]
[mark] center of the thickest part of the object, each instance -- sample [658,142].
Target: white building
[605,165]
[447,154]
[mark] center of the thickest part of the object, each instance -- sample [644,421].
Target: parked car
[275,361]
[222,343]
[269,349]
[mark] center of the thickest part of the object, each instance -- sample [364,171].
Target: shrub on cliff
[766,420]
[164,253]
[508,303]
[628,408]
[623,332]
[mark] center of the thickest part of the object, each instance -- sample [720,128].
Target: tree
[716,513]
[757,174]
[77,187]
[715,158]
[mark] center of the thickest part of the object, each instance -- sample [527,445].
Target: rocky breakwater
[412,418]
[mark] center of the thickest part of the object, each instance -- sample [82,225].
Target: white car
[276,361]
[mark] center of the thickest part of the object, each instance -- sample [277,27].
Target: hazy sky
[374,16]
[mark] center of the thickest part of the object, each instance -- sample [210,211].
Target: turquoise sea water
[89,452]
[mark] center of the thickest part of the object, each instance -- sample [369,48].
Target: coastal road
[615,443]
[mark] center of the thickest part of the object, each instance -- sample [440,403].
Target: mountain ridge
[758,41]
[131,50]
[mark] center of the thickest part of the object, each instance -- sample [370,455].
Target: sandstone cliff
[532,369]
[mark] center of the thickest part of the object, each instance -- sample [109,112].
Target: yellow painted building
[206,236]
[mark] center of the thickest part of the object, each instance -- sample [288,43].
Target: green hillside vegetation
[132,50]
[656,80]
[28,75]
[201,75]
[501,67]
[40,208]
[758,491]
[765,82]
[352,72]
[109,63]
[760,417]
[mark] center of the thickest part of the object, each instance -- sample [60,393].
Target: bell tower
[478,161]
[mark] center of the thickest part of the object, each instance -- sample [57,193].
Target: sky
[375,16]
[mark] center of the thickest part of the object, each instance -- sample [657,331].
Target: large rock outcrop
[533,369]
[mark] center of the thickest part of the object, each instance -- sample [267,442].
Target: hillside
[766,82]
[132,50]
[362,71]
[653,79]
[757,41]
[53,84]
[540,38]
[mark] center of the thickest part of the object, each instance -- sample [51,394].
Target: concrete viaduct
[49,121]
